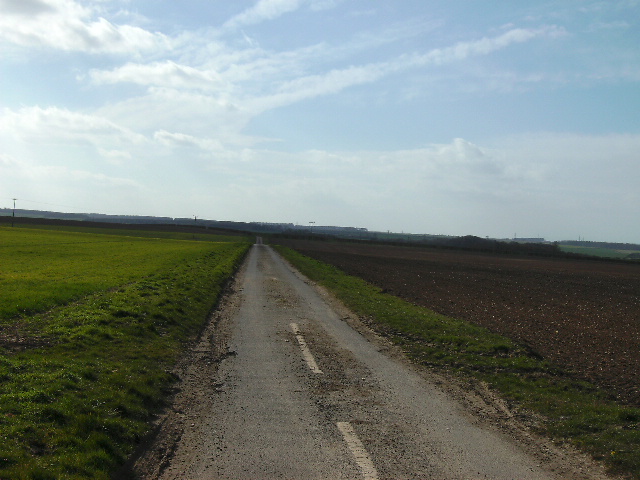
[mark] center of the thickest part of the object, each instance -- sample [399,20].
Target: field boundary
[549,400]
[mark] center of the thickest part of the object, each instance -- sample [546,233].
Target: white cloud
[461,154]
[189,141]
[7,160]
[263,10]
[587,165]
[227,88]
[459,165]
[557,185]
[115,157]
[249,71]
[60,177]
[484,46]
[189,112]
[99,179]
[302,88]
[25,7]
[334,81]
[71,26]
[57,125]
[361,188]
[163,74]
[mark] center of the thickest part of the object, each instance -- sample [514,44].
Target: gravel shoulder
[248,406]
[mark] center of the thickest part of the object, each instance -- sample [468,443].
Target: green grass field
[203,235]
[91,325]
[564,409]
[44,268]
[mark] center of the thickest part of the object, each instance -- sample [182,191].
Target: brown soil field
[583,315]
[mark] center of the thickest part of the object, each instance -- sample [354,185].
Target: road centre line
[306,353]
[359,452]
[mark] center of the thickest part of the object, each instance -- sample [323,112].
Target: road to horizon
[302,395]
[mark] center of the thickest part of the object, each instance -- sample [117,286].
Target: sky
[488,118]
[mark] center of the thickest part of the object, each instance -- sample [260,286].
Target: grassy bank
[567,410]
[82,373]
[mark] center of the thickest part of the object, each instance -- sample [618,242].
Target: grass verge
[76,398]
[569,410]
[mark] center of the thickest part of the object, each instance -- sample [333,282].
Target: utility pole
[14,211]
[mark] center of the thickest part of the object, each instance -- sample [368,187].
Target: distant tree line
[469,243]
[465,243]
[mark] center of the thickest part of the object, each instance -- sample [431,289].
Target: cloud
[385,188]
[115,157]
[190,112]
[484,46]
[99,179]
[462,154]
[336,80]
[68,25]
[544,184]
[163,74]
[60,177]
[27,8]
[261,11]
[7,160]
[317,85]
[219,99]
[189,141]
[57,125]
[584,164]
[216,89]
[458,165]
[260,69]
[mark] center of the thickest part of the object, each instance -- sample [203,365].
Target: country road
[282,387]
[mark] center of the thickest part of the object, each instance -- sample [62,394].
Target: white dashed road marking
[306,353]
[357,449]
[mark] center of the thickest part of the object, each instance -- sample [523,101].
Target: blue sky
[489,118]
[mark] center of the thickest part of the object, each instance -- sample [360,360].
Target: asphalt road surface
[297,393]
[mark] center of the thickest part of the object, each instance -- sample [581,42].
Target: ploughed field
[582,315]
